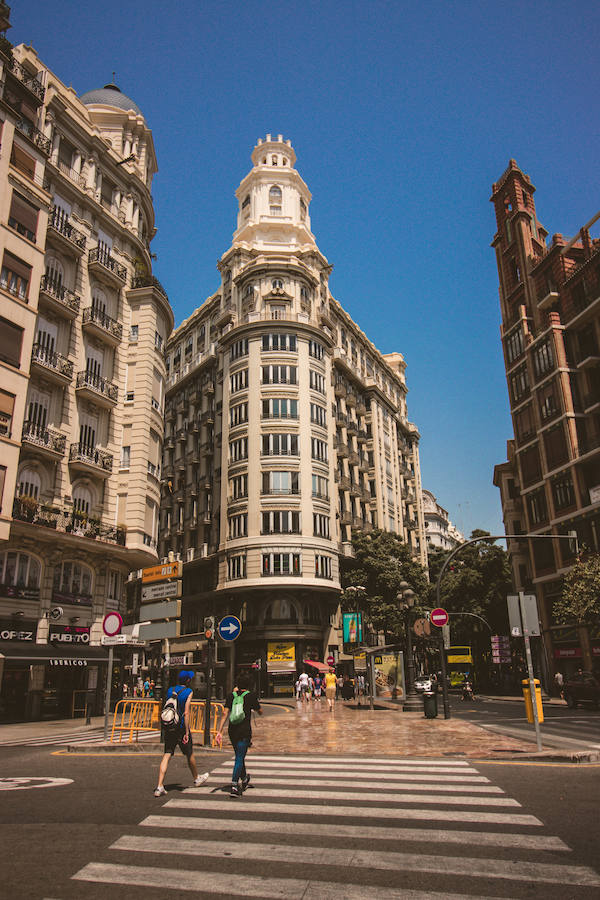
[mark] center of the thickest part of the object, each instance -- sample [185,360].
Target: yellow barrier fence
[136,715]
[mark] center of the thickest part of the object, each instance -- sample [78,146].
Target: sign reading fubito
[68,634]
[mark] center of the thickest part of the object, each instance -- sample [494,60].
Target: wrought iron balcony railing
[52,360]
[103,257]
[93,455]
[35,135]
[52,286]
[44,437]
[98,384]
[149,281]
[59,221]
[98,317]
[30,81]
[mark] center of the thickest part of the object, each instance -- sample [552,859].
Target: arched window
[99,300]
[281,610]
[82,500]
[73,578]
[311,614]
[275,196]
[29,483]
[277,284]
[55,273]
[273,160]
[249,290]
[19,570]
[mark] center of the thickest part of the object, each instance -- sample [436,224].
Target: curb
[133,748]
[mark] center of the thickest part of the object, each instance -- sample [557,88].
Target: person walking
[180,735]
[318,684]
[559,682]
[304,686]
[330,688]
[241,701]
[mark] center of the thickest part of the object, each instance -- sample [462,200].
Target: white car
[423,683]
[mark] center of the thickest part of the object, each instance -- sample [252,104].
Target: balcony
[549,301]
[352,426]
[4,24]
[34,86]
[361,409]
[54,365]
[91,460]
[47,440]
[341,420]
[142,281]
[98,324]
[362,436]
[343,450]
[356,489]
[97,389]
[357,521]
[34,135]
[350,399]
[344,483]
[61,232]
[25,509]
[339,388]
[61,299]
[103,266]
[345,518]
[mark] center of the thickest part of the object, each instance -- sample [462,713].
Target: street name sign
[158,630]
[167,609]
[161,591]
[439,617]
[229,628]
[115,640]
[162,572]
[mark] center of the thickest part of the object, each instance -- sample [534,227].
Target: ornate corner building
[550,484]
[285,430]
[83,327]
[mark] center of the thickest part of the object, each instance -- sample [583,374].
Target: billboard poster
[352,624]
[279,652]
[389,675]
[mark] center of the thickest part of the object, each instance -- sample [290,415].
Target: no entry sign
[439,617]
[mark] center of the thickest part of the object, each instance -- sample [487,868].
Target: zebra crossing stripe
[377,760]
[319,766]
[366,859]
[313,772]
[247,886]
[396,797]
[391,788]
[379,812]
[516,841]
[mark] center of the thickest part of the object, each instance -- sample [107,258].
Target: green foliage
[580,599]
[381,562]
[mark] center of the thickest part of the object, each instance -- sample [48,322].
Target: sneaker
[160,791]
[245,783]
[235,791]
[200,779]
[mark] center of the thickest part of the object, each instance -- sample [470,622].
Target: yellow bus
[459,664]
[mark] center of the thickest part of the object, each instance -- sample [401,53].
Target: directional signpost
[229,628]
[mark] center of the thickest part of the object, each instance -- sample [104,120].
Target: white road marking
[319,766]
[306,809]
[386,763]
[396,797]
[536,842]
[373,859]
[393,787]
[378,777]
[25,784]
[248,886]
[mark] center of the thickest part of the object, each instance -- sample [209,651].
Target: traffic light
[209,627]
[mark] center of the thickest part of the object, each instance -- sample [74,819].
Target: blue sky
[402,118]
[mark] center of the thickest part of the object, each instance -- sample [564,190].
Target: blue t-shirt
[182,694]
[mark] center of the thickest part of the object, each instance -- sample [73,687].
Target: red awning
[319,666]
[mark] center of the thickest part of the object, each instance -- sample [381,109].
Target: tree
[381,562]
[580,599]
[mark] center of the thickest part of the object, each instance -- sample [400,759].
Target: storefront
[49,681]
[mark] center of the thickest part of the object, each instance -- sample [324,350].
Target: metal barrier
[136,715]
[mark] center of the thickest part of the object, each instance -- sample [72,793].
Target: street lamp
[406,601]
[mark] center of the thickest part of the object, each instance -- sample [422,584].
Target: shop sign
[19,593]
[567,652]
[179,659]
[596,650]
[352,623]
[277,652]
[69,634]
[73,599]
[70,663]
[18,631]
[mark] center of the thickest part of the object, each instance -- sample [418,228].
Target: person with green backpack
[240,704]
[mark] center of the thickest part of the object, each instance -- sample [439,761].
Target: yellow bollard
[538,700]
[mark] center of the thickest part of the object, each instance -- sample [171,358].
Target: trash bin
[538,700]
[430,704]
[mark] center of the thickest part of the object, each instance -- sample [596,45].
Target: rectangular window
[7,405]
[538,509]
[548,404]
[133,333]
[322,566]
[158,341]
[11,340]
[280,445]
[318,449]
[543,359]
[281,522]
[320,525]
[2,480]
[238,450]
[514,346]
[23,217]
[531,467]
[524,424]
[519,384]
[22,161]
[238,415]
[279,375]
[318,415]
[320,487]
[125,457]
[201,339]
[236,566]
[238,381]
[239,348]
[555,445]
[563,493]
[238,526]
[15,276]
[281,564]
[239,487]
[276,408]
[280,483]
[316,350]
[317,381]
[279,341]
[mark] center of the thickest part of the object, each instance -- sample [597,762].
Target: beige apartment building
[83,327]
[285,430]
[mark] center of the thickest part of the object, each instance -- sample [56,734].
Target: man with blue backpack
[175,720]
[240,704]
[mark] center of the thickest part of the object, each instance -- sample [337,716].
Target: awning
[281,666]
[319,666]
[31,652]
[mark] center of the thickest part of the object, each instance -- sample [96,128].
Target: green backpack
[237,713]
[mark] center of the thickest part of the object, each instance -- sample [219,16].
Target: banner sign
[352,628]
[277,652]
[69,634]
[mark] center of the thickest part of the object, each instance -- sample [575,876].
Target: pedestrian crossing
[349,828]
[74,739]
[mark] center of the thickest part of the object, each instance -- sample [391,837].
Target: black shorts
[174,738]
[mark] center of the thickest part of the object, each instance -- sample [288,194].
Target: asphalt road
[562,728]
[50,835]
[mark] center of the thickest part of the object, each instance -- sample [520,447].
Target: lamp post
[406,601]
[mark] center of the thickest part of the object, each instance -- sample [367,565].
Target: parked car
[583,687]
[423,683]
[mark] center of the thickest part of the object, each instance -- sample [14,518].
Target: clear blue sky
[402,115]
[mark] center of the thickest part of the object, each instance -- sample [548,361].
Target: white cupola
[273,200]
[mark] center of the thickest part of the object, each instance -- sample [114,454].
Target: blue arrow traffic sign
[229,628]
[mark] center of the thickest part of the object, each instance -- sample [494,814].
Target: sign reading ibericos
[162,572]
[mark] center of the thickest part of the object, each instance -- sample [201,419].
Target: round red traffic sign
[330,660]
[112,624]
[439,617]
